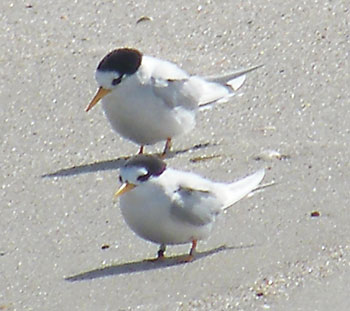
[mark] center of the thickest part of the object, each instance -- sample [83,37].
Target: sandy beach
[64,244]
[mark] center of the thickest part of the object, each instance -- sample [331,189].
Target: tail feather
[227,78]
[239,189]
[222,87]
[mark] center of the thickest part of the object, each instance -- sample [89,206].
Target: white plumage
[175,207]
[148,100]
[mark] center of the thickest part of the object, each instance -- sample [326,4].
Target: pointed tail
[231,77]
[239,189]
[229,83]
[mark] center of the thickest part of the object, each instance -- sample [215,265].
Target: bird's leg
[161,252]
[190,256]
[160,256]
[141,149]
[167,147]
[193,248]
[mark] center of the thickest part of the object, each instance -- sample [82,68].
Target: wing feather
[196,207]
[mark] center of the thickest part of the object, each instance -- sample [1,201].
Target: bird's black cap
[153,164]
[124,61]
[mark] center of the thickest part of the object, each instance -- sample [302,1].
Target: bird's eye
[117,80]
[144,177]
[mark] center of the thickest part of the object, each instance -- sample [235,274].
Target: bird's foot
[160,256]
[190,256]
[157,259]
[187,258]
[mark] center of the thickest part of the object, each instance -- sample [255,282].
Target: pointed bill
[126,187]
[99,95]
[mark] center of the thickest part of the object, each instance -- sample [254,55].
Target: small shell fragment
[315,214]
[144,19]
[268,155]
[105,246]
[204,158]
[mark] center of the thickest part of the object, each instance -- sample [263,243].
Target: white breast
[138,115]
[146,210]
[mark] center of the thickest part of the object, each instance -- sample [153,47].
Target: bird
[168,206]
[148,100]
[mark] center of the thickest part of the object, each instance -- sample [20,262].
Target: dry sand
[59,164]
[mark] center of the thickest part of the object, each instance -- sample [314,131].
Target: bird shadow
[146,265]
[115,163]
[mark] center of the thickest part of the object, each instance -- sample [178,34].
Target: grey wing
[175,93]
[196,207]
[170,84]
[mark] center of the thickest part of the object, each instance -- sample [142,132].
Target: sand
[64,244]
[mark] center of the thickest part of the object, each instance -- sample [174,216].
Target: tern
[168,206]
[148,100]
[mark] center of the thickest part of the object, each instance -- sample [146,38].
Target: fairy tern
[168,206]
[148,100]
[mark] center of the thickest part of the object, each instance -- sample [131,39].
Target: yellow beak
[126,187]
[99,95]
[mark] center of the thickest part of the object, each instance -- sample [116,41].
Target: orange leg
[167,147]
[141,149]
[193,248]
[190,256]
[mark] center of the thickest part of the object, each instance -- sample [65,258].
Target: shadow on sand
[113,164]
[145,265]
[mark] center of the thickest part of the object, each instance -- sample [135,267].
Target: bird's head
[113,69]
[138,170]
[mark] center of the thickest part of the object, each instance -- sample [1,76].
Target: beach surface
[64,244]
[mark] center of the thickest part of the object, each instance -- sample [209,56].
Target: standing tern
[148,100]
[168,206]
